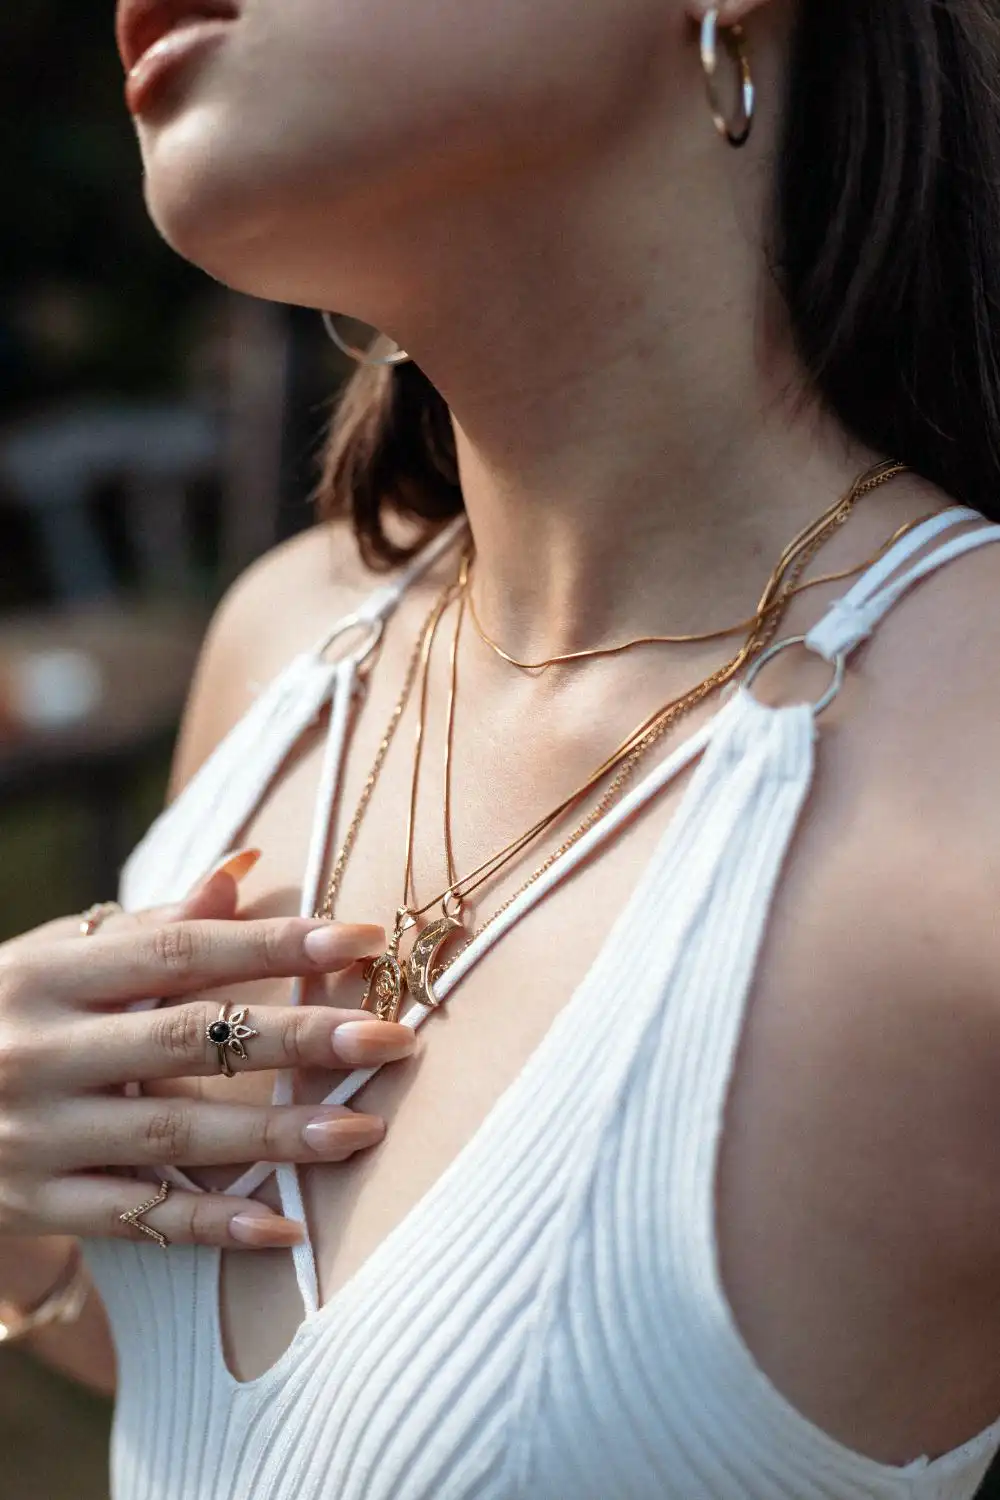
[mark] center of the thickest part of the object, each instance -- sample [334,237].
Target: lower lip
[160,63]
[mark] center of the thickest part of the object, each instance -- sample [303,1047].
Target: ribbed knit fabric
[559,1330]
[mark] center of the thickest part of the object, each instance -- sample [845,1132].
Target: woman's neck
[618,482]
[621,379]
[588,542]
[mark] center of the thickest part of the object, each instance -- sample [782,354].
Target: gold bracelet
[62,1304]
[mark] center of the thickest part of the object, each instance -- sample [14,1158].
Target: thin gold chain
[666,721]
[753,647]
[328,908]
[782,587]
[429,635]
[566,658]
[449,742]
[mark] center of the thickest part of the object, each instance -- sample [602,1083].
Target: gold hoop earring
[360,356]
[736,133]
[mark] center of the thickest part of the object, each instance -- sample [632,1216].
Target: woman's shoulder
[285,600]
[278,607]
[909,807]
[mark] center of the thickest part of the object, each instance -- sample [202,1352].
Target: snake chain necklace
[390,978]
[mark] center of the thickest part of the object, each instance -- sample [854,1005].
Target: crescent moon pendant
[421,960]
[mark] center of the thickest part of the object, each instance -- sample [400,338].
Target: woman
[691,1187]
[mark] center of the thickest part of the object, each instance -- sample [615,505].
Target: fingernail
[338,942]
[361,1042]
[265,1229]
[342,1134]
[238,865]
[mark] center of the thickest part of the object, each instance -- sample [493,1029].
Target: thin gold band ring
[94,916]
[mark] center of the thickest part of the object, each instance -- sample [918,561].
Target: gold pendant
[418,965]
[389,980]
[384,995]
[386,981]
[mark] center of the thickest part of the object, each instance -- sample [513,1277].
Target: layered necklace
[390,978]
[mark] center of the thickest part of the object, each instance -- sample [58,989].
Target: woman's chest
[471,1051]
[805,1156]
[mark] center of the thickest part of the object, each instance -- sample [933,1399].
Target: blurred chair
[55,464]
[94,682]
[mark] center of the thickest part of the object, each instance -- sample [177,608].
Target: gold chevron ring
[134,1217]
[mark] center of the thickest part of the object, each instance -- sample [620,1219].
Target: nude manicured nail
[338,943]
[265,1229]
[361,1043]
[342,1134]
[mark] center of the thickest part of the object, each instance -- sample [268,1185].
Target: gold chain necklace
[869,481]
[763,626]
[327,910]
[388,978]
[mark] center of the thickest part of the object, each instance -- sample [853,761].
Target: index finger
[180,957]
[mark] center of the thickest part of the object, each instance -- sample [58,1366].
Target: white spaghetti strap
[327,792]
[851,620]
[289,1185]
[379,605]
[908,546]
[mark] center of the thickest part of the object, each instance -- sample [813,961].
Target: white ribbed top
[561,1331]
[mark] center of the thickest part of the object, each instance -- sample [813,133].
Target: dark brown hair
[886,246]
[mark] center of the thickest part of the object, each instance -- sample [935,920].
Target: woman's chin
[265,234]
[278,208]
[214,208]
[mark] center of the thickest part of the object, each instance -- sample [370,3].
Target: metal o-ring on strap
[375,628]
[839,665]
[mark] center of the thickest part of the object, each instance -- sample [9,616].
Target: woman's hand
[68,1045]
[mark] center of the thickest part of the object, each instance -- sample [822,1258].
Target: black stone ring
[228,1034]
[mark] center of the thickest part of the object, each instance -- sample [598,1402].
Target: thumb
[216,898]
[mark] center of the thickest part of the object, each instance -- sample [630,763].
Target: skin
[67,1045]
[532,199]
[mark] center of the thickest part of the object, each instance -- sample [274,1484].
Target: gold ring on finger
[134,1217]
[229,1034]
[94,916]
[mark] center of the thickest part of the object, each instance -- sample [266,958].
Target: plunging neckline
[549,1195]
[741,709]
